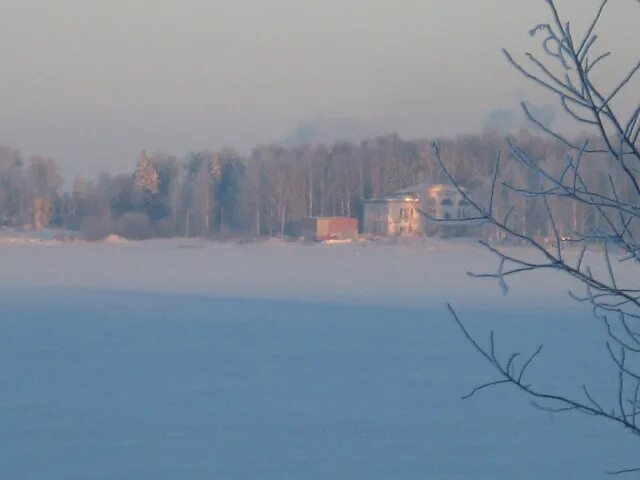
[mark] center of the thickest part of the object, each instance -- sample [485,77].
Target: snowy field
[187,360]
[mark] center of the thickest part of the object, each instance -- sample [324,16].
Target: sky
[94,83]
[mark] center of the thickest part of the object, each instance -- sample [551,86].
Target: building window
[406,213]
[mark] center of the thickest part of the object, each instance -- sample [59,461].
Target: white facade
[400,214]
[393,216]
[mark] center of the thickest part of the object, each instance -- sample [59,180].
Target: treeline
[223,194]
[28,190]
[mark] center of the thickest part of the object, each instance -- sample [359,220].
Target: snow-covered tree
[600,179]
[146,176]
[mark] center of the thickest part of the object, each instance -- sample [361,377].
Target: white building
[407,212]
[395,215]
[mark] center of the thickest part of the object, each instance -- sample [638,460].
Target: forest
[222,194]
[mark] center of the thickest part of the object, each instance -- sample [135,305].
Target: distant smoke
[504,121]
[501,121]
[544,114]
[329,130]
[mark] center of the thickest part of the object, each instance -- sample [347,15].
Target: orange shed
[330,228]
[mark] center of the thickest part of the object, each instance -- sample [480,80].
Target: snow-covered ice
[195,360]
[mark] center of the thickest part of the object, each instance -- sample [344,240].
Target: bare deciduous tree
[609,207]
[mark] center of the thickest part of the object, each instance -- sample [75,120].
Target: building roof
[427,187]
[395,198]
[411,194]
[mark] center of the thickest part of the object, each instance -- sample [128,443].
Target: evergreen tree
[146,176]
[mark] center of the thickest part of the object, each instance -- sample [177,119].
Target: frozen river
[173,360]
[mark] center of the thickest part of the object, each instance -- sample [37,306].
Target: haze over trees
[221,194]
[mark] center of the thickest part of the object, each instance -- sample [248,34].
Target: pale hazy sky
[94,82]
